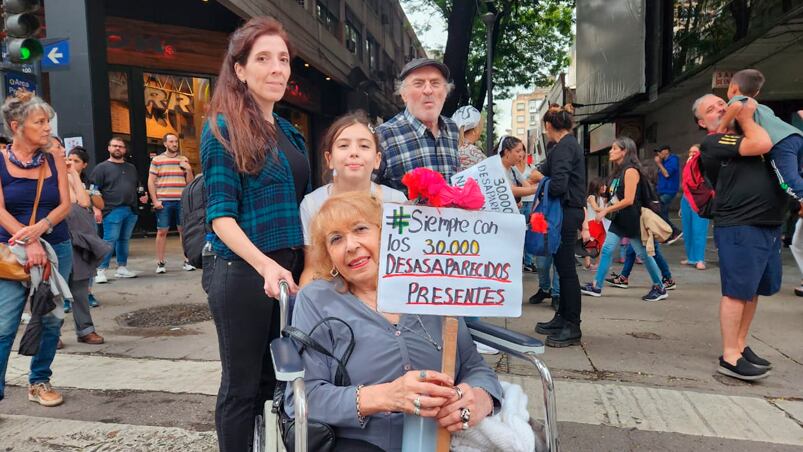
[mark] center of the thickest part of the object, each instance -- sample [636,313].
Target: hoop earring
[334,272]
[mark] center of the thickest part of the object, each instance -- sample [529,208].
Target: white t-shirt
[312,204]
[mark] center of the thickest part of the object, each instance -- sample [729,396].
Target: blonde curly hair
[337,213]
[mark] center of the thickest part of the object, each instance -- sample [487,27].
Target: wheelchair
[289,368]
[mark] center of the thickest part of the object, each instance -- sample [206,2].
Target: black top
[565,164]
[298,164]
[747,194]
[117,183]
[626,222]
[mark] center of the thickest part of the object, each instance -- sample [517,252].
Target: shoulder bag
[320,437]
[10,267]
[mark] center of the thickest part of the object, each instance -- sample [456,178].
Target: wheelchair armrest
[287,361]
[504,339]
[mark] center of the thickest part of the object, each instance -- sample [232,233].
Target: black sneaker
[570,334]
[743,370]
[589,289]
[528,268]
[674,238]
[553,326]
[669,283]
[799,291]
[655,294]
[618,281]
[755,360]
[539,297]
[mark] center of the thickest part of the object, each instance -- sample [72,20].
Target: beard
[117,154]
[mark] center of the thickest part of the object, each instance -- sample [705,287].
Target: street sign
[14,81]
[56,55]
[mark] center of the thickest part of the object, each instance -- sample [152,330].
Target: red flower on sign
[430,187]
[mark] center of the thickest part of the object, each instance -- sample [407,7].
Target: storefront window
[176,104]
[120,110]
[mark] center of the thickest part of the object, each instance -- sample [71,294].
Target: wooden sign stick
[447,367]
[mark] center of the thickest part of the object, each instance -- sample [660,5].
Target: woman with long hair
[352,153]
[624,189]
[565,165]
[256,173]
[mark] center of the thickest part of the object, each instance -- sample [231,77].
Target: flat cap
[418,63]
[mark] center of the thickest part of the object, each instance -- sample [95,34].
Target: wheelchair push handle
[284,304]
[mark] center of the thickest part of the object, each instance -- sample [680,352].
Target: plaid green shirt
[263,205]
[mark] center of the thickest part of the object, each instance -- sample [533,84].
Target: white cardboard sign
[490,175]
[450,262]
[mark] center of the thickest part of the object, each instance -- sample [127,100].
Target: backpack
[697,189]
[193,220]
[544,243]
[649,196]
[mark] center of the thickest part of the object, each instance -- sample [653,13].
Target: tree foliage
[531,40]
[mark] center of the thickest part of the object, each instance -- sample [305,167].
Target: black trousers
[569,308]
[246,321]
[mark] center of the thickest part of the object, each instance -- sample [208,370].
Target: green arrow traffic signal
[21,27]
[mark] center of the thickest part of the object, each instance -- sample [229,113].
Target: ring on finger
[465,425]
[459,392]
[465,414]
[417,411]
[422,375]
[417,402]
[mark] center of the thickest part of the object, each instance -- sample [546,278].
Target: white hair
[696,105]
[20,105]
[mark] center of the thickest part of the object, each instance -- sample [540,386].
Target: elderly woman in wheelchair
[368,368]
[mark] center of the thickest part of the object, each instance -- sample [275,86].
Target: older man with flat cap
[419,136]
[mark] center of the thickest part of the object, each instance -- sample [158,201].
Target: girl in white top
[595,202]
[352,153]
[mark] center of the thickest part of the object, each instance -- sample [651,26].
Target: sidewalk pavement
[643,367]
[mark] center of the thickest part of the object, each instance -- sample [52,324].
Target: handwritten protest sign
[490,174]
[451,262]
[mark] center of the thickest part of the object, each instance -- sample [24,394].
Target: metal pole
[489,19]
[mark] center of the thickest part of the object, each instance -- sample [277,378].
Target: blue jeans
[695,233]
[611,243]
[529,259]
[169,215]
[666,200]
[630,260]
[12,301]
[544,265]
[118,225]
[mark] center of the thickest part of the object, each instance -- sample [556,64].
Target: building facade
[641,65]
[524,113]
[142,69]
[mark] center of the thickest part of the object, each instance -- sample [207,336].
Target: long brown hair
[340,124]
[249,137]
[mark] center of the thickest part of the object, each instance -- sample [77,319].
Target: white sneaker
[100,277]
[123,272]
[160,268]
[187,267]
[485,349]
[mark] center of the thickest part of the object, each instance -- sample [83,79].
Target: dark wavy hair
[630,158]
[560,118]
[249,137]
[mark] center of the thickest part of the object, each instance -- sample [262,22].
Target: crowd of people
[269,226]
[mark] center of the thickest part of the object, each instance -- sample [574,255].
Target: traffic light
[21,26]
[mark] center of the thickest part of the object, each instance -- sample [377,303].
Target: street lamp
[489,19]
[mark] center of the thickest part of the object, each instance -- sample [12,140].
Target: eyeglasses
[117,146]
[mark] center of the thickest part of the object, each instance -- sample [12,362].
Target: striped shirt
[408,144]
[170,177]
[264,205]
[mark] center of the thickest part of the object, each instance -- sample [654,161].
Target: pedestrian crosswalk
[616,405]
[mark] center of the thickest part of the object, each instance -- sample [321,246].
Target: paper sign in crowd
[452,262]
[490,175]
